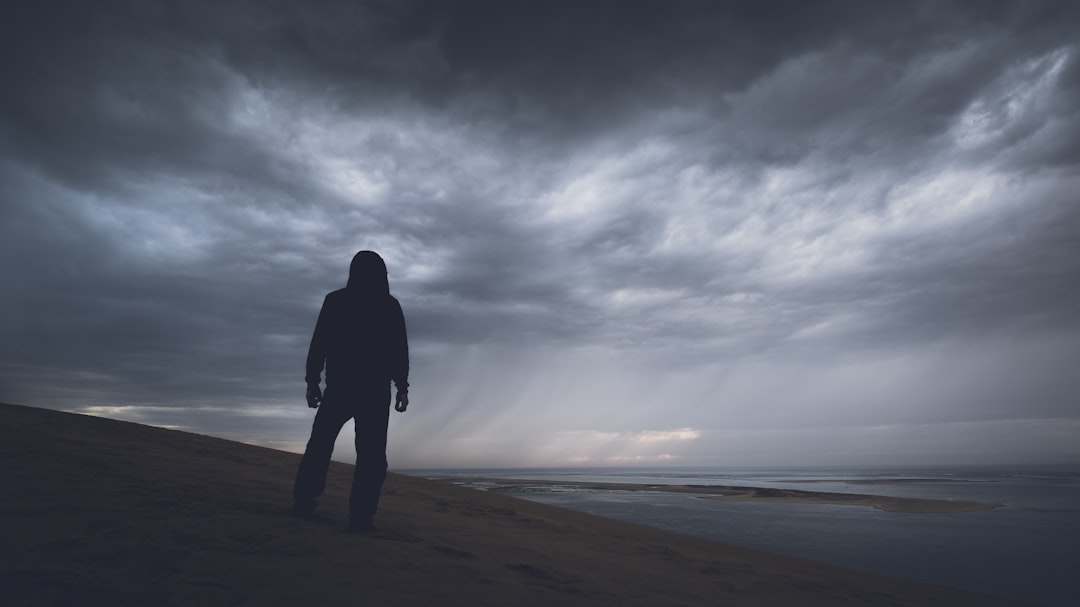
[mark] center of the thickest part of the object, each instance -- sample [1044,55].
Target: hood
[367,274]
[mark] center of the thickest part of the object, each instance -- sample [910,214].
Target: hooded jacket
[360,335]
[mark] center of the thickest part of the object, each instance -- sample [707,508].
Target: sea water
[1028,550]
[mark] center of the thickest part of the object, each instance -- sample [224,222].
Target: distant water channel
[1029,550]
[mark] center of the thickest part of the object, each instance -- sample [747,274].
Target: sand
[758,494]
[102,512]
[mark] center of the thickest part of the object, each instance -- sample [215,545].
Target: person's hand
[402,401]
[314,397]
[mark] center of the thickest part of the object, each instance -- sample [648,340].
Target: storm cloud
[684,233]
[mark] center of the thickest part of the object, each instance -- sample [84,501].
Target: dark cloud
[778,211]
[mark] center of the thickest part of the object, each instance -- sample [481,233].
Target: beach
[99,511]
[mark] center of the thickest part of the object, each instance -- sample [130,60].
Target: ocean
[1028,550]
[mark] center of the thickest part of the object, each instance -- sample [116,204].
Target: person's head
[367,273]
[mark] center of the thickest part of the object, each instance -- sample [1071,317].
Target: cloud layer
[784,232]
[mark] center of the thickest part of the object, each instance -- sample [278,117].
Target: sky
[622,233]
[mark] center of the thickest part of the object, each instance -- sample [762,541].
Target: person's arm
[400,360]
[316,359]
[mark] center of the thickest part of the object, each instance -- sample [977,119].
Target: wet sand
[102,512]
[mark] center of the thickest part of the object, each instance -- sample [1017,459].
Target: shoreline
[907,505]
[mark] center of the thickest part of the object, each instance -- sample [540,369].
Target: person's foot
[303,510]
[363,525]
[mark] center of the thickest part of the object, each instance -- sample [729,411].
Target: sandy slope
[101,512]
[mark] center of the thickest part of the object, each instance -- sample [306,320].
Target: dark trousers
[370,411]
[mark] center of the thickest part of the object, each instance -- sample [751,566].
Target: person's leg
[371,421]
[311,476]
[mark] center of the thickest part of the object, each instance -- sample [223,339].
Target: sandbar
[760,494]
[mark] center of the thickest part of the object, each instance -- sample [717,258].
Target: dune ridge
[98,511]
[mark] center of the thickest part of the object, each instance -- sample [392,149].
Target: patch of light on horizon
[127,414]
[641,459]
[142,413]
[641,436]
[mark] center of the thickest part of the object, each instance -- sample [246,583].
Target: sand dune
[102,512]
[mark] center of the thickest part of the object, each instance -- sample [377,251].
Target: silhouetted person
[360,338]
